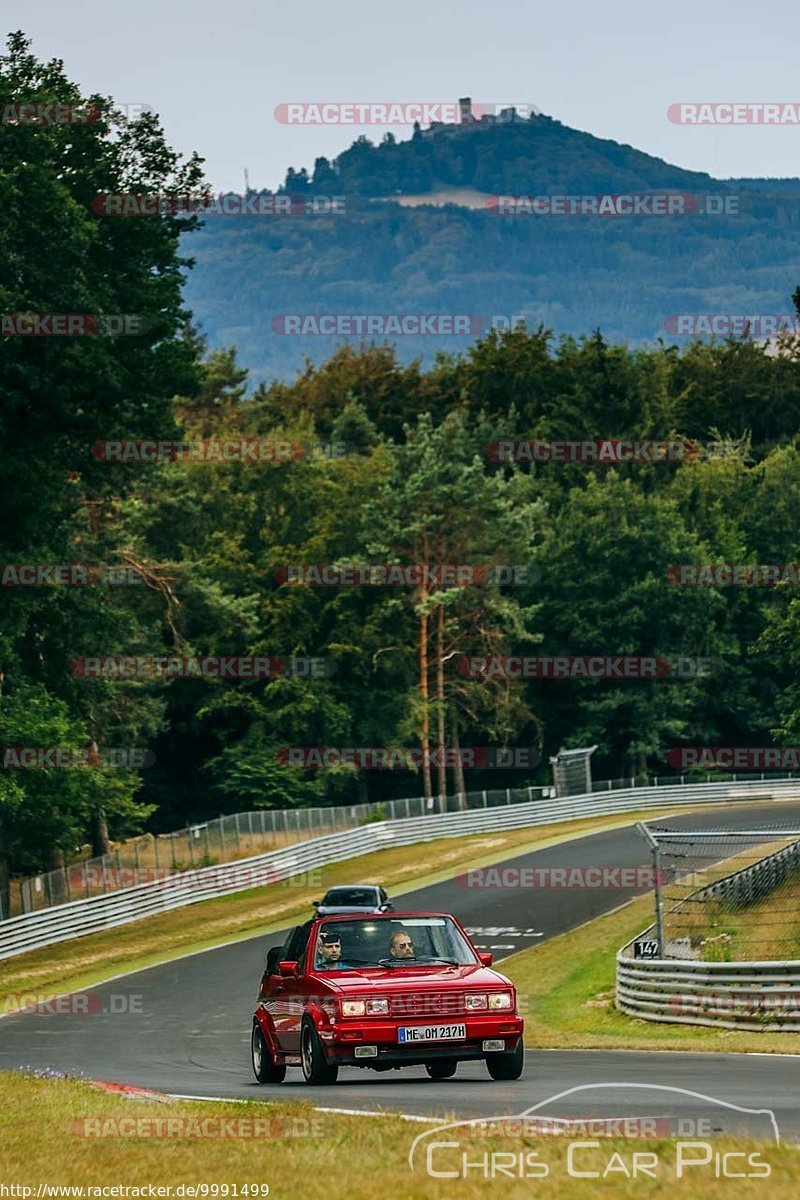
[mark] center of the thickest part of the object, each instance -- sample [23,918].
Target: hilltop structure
[469,120]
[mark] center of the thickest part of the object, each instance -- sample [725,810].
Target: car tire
[507,1066]
[312,1057]
[264,1067]
[442,1068]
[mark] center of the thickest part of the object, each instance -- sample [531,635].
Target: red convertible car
[384,991]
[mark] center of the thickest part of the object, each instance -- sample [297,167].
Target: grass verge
[62,1132]
[86,961]
[724,931]
[566,988]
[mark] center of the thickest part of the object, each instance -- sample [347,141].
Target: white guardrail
[80,917]
[763,995]
[734,995]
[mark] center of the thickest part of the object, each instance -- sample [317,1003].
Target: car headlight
[500,1000]
[377,1006]
[353,1008]
[477,1001]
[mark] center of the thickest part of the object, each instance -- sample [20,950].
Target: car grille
[427,1004]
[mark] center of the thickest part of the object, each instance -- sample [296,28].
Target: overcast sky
[216,72]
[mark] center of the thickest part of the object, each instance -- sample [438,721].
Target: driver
[401,945]
[329,952]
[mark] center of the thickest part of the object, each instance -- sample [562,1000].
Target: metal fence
[727,895]
[727,933]
[79,917]
[737,995]
[226,839]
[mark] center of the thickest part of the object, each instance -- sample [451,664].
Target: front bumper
[340,1042]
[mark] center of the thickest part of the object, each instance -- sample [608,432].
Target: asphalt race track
[187,1026]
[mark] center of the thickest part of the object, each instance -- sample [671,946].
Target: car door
[272,991]
[289,993]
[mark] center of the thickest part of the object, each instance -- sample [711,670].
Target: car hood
[401,979]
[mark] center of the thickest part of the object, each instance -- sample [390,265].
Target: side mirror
[486,957]
[316,903]
[273,958]
[288,970]
[387,908]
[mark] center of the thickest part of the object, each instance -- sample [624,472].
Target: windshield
[343,897]
[409,941]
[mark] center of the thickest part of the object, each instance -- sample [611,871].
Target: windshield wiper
[423,960]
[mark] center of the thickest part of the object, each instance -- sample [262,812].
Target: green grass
[566,989]
[316,1155]
[724,932]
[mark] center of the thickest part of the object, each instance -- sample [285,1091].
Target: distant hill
[418,235]
[534,154]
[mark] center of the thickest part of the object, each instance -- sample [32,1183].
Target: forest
[391,463]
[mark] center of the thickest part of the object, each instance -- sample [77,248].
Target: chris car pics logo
[680,1125]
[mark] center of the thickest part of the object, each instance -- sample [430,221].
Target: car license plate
[430,1033]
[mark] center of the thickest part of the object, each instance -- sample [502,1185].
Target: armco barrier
[744,995]
[750,884]
[80,917]
[734,995]
[240,835]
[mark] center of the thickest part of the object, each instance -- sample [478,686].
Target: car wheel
[442,1068]
[507,1066]
[312,1057]
[264,1067]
